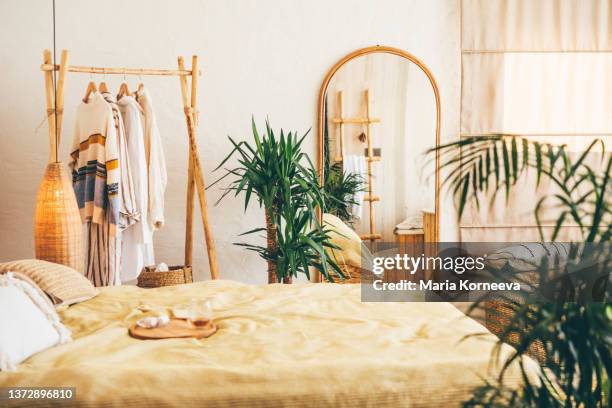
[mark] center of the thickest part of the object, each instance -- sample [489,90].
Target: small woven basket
[176,275]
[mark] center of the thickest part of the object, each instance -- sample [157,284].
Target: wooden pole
[60,95]
[197,168]
[189,213]
[50,93]
[369,160]
[190,183]
[194,90]
[341,116]
[117,71]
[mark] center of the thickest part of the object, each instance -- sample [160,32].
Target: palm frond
[576,337]
[340,188]
[482,165]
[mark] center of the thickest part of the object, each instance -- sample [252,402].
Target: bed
[277,345]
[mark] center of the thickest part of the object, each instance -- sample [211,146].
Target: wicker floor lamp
[57,223]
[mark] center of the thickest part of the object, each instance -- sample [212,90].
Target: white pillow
[28,321]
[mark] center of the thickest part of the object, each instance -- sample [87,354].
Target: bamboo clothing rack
[195,177]
[370,157]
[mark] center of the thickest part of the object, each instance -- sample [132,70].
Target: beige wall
[260,57]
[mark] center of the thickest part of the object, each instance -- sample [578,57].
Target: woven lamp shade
[58,231]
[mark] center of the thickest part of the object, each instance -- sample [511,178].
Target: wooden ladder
[341,121]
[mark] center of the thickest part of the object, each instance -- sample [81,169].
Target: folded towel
[413,222]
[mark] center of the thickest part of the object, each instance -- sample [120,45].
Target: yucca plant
[575,334]
[282,177]
[340,188]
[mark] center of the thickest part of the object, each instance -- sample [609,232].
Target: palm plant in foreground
[575,334]
[282,177]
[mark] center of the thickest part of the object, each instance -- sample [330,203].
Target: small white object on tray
[153,321]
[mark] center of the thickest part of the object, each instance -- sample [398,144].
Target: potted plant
[574,334]
[340,189]
[274,170]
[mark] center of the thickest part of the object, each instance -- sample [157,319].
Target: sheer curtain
[541,69]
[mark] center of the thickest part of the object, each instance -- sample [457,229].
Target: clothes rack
[195,177]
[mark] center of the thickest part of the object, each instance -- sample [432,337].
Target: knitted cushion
[64,285]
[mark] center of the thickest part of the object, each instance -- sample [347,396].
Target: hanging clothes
[138,238]
[156,160]
[128,213]
[95,171]
[102,254]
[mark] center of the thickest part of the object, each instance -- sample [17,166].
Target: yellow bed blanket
[302,345]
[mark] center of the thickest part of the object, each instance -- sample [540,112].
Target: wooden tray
[177,328]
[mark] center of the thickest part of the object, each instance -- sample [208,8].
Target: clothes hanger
[123,89]
[91,88]
[140,85]
[103,87]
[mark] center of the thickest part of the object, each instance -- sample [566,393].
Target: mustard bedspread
[277,346]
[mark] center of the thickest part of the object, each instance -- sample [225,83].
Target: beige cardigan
[156,160]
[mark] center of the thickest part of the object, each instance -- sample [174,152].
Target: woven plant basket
[176,275]
[498,315]
[58,230]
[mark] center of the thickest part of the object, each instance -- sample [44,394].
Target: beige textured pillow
[352,251]
[64,285]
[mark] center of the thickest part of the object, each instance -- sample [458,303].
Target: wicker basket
[498,314]
[176,275]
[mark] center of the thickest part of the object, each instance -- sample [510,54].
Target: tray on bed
[177,328]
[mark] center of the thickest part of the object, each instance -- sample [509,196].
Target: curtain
[540,69]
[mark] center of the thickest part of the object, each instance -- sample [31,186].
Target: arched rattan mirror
[377,116]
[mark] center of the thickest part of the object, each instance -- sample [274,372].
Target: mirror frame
[434,85]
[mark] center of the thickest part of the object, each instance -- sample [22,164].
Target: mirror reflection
[379,117]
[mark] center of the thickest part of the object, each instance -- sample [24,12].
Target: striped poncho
[94,163]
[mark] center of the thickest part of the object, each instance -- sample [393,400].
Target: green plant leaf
[275,170]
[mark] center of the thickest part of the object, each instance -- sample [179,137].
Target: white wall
[259,57]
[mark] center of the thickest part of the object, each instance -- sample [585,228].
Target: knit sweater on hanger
[94,162]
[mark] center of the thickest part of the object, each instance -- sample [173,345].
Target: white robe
[156,160]
[138,237]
